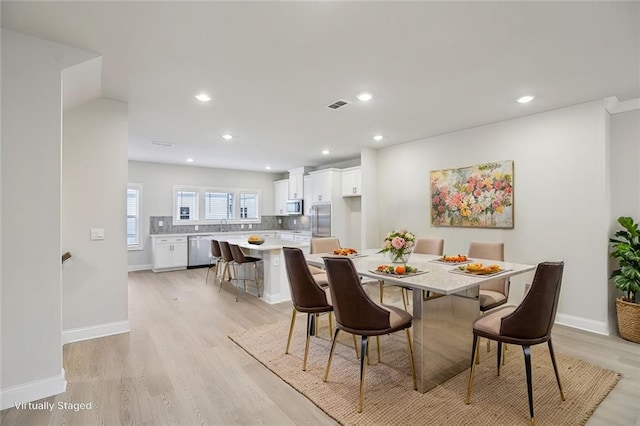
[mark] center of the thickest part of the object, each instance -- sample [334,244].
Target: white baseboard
[134,268]
[32,391]
[94,331]
[599,327]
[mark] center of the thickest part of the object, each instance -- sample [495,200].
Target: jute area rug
[389,395]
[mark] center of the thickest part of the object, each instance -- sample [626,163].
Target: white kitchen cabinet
[169,253]
[286,236]
[296,183]
[301,238]
[352,182]
[325,184]
[280,196]
[307,201]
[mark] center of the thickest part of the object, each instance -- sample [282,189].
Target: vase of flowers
[399,245]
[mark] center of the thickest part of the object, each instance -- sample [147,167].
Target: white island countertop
[269,244]
[246,232]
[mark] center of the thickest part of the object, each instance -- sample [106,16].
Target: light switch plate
[97,233]
[196,227]
[160,223]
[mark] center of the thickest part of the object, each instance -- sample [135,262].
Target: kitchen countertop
[269,244]
[241,232]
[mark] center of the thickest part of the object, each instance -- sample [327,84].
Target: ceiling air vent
[338,104]
[162,144]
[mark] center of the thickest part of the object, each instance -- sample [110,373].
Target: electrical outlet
[279,221]
[250,226]
[196,227]
[295,221]
[160,223]
[242,226]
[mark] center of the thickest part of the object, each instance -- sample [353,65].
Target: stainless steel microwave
[294,207]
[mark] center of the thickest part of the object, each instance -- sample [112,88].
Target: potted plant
[626,249]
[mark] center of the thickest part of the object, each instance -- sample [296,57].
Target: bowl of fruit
[255,239]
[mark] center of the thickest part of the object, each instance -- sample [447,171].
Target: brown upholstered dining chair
[423,246]
[307,296]
[322,245]
[240,260]
[496,292]
[216,255]
[357,314]
[225,251]
[526,325]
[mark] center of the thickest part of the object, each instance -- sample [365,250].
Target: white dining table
[445,304]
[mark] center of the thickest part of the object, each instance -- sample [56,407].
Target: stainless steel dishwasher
[199,251]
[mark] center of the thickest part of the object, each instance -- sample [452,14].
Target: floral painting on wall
[479,196]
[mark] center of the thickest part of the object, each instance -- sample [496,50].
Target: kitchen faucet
[226,225]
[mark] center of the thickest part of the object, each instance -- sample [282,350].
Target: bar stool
[227,257]
[216,255]
[240,260]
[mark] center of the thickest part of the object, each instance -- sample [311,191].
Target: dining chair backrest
[490,251]
[353,308]
[215,249]
[305,293]
[534,317]
[429,246]
[226,251]
[324,245]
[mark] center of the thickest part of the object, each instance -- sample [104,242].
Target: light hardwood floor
[177,365]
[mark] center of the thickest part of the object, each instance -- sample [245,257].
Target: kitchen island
[274,281]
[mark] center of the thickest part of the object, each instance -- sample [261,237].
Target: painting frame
[478,196]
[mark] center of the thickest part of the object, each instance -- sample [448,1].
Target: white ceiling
[272,68]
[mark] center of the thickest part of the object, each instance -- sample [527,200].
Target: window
[204,205]
[186,206]
[218,206]
[134,216]
[249,205]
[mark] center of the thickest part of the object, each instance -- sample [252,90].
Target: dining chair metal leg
[411,363]
[293,322]
[381,290]
[255,274]
[527,365]
[499,356]
[378,346]
[363,367]
[404,297]
[330,324]
[355,345]
[333,347]
[310,326]
[474,355]
[555,368]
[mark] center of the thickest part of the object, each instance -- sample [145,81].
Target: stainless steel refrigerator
[321,220]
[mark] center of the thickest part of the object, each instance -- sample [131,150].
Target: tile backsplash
[302,223]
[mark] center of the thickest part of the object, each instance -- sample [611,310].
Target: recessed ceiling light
[365,96]
[227,137]
[325,152]
[189,160]
[525,99]
[378,137]
[267,167]
[203,97]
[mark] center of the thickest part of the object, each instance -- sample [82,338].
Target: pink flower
[436,199]
[397,242]
[477,192]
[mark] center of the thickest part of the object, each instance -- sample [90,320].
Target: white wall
[31,173]
[625,179]
[94,185]
[561,198]
[157,192]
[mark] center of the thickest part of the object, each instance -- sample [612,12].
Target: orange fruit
[400,269]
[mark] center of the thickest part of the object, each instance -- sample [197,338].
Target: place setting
[478,269]
[459,259]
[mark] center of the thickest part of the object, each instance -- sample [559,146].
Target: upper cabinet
[308,193]
[280,196]
[296,183]
[352,182]
[325,184]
